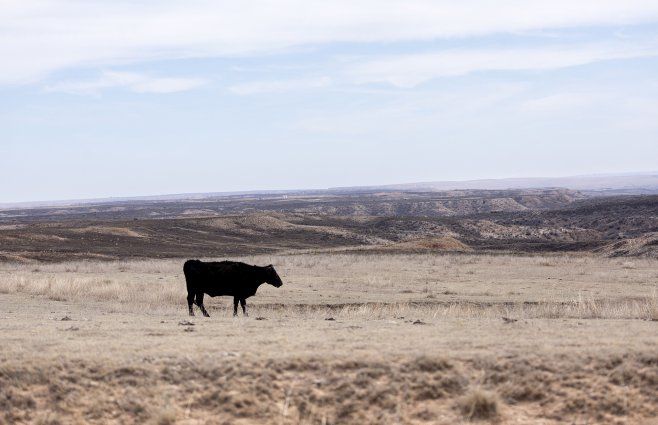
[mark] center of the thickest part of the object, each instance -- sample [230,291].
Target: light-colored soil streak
[391,354]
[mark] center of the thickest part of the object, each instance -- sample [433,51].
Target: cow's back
[216,277]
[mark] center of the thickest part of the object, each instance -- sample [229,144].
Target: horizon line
[384,186]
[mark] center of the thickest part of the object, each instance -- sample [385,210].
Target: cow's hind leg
[243,303]
[199,302]
[190,302]
[235,306]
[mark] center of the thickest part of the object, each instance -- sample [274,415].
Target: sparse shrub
[442,387]
[132,406]
[429,364]
[524,391]
[345,391]
[478,404]
[57,298]
[346,410]
[373,372]
[10,398]
[384,398]
[622,375]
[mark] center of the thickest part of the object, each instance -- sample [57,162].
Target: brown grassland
[350,338]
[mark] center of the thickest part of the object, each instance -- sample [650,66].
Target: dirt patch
[108,230]
[644,246]
[11,226]
[445,243]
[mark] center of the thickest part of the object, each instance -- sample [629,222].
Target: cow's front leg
[243,303]
[235,306]
[199,302]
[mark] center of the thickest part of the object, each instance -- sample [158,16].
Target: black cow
[232,278]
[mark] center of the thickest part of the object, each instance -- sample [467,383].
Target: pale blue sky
[126,98]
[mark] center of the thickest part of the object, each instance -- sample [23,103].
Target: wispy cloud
[414,69]
[39,37]
[138,83]
[279,86]
[561,103]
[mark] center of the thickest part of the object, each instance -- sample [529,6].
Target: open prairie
[349,338]
[434,212]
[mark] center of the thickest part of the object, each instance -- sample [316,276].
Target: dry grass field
[349,338]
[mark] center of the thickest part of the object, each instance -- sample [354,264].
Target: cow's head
[272,277]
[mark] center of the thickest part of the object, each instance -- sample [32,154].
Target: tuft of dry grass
[653,308]
[163,416]
[478,404]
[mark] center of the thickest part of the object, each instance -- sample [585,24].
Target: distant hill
[604,184]
[610,226]
[588,185]
[362,203]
